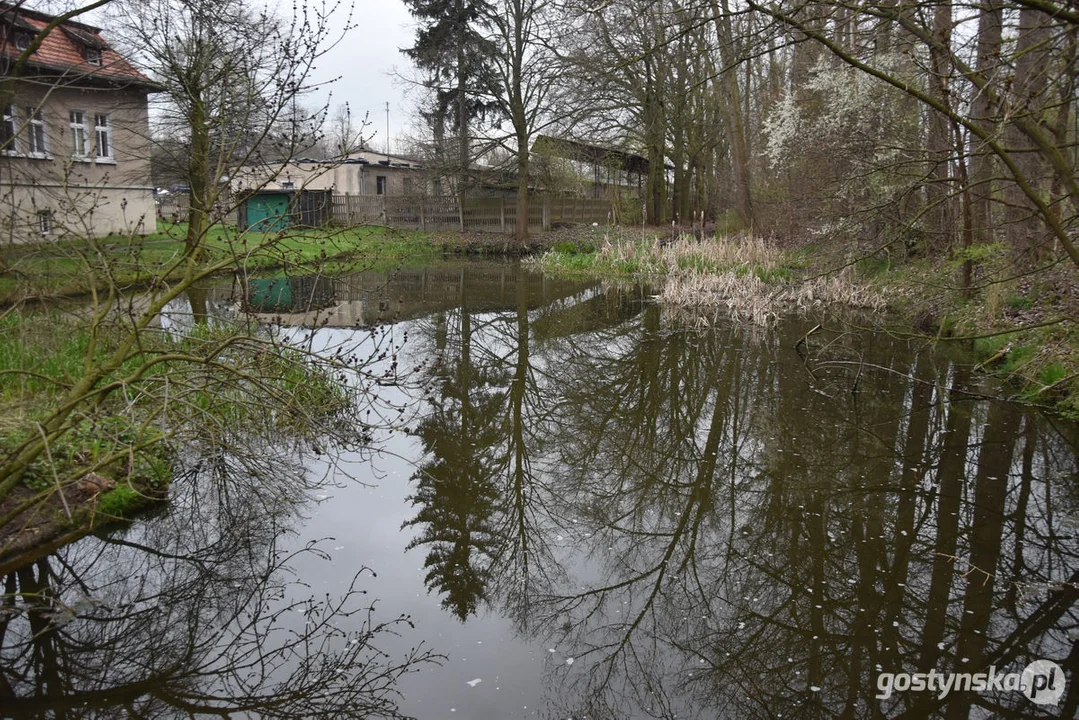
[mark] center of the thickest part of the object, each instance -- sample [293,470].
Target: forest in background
[931,146]
[921,127]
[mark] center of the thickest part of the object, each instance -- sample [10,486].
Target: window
[22,39]
[103,136]
[8,130]
[93,56]
[44,221]
[78,133]
[36,138]
[380,184]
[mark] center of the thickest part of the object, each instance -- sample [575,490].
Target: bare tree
[345,134]
[527,72]
[231,78]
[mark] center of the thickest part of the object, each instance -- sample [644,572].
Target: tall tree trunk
[655,140]
[518,48]
[967,204]
[198,174]
[679,195]
[731,108]
[439,150]
[521,228]
[462,102]
[198,296]
[990,27]
[941,209]
[1027,99]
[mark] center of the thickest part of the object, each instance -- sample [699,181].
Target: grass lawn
[108,449]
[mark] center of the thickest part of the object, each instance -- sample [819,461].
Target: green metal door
[267,213]
[271,294]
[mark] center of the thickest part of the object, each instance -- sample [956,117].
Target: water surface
[586,508]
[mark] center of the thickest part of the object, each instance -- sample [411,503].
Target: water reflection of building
[302,293]
[369,298]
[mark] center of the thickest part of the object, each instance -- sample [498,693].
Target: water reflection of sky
[706,523]
[819,504]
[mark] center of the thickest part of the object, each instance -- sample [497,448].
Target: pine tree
[453,52]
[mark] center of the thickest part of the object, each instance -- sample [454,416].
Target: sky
[366,60]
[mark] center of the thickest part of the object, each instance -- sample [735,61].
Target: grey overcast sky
[365,62]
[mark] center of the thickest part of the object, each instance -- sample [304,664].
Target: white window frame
[103,128]
[11,128]
[94,56]
[37,144]
[79,139]
[44,221]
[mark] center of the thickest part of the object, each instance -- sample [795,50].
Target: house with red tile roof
[74,132]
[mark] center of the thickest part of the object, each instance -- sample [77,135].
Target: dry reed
[749,298]
[741,276]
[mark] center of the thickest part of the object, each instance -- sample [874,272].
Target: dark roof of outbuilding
[598,154]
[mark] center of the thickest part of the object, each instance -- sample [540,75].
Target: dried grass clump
[744,254]
[747,297]
[740,275]
[732,252]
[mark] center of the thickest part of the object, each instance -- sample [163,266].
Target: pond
[578,504]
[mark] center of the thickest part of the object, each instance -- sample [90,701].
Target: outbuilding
[276,210]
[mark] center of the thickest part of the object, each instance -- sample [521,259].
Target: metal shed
[276,210]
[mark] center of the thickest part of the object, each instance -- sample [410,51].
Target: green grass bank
[114,449]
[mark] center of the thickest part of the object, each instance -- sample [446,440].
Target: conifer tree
[453,51]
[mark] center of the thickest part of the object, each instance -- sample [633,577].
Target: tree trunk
[462,103]
[731,108]
[990,26]
[679,195]
[521,228]
[941,209]
[198,296]
[439,151]
[1025,232]
[198,173]
[655,140]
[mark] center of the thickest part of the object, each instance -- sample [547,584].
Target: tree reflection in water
[707,523]
[455,488]
[197,613]
[712,525]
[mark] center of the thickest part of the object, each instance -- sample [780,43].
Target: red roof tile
[62,53]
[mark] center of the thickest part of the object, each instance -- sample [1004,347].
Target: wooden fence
[172,208]
[492,214]
[175,207]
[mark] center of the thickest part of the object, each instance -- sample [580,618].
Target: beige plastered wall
[84,195]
